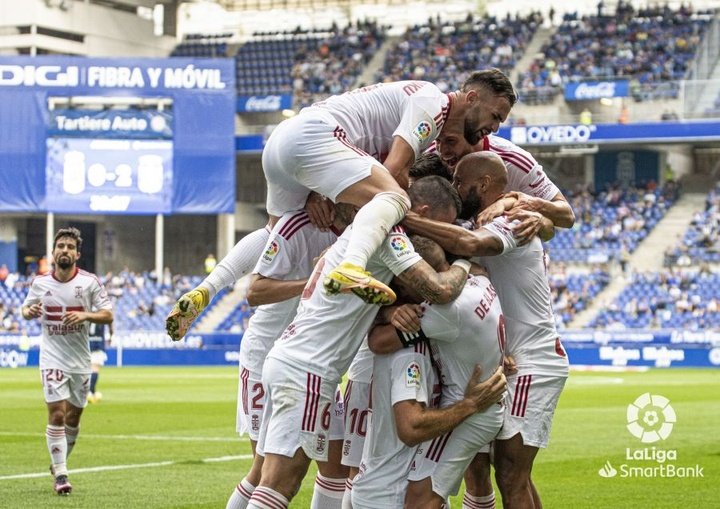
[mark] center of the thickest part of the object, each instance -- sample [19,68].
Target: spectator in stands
[210,263]
[586,116]
[4,272]
[653,48]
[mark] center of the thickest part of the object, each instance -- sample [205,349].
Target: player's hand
[530,224]
[485,394]
[527,202]
[509,365]
[34,310]
[406,318]
[74,317]
[320,210]
[496,209]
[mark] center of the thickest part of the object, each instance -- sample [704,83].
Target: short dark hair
[436,192]
[71,232]
[492,80]
[427,165]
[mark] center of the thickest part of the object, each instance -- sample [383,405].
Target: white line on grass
[107,468]
[161,438]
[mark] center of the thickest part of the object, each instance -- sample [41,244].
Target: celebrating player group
[404,250]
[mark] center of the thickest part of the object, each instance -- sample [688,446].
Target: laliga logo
[650,418]
[268,103]
[596,91]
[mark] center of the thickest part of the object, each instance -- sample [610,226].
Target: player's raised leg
[383,204]
[237,263]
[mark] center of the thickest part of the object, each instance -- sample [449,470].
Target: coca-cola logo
[595,90]
[266,103]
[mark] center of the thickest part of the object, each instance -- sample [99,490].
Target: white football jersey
[293,245]
[520,276]
[362,365]
[371,116]
[407,374]
[66,347]
[525,174]
[328,329]
[463,333]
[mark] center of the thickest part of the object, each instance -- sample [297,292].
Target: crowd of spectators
[203,45]
[445,52]
[310,65]
[572,291]
[651,47]
[611,221]
[701,241]
[335,63]
[675,298]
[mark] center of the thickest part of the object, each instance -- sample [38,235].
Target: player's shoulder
[291,223]
[88,276]
[510,153]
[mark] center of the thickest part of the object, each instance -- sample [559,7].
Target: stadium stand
[677,298]
[203,45]
[310,64]
[701,242]
[573,291]
[608,220]
[446,52]
[652,47]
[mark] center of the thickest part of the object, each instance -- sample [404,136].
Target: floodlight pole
[49,235]
[159,236]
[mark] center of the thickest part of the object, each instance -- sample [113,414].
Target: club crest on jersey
[321,443]
[271,251]
[412,375]
[78,292]
[422,131]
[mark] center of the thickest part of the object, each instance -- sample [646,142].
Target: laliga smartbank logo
[650,419]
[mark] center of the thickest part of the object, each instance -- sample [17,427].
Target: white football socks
[239,262]
[327,493]
[240,497]
[372,224]
[57,447]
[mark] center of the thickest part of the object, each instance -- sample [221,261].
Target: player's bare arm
[399,161]
[265,290]
[530,224]
[434,287]
[103,316]
[455,239]
[416,423]
[557,210]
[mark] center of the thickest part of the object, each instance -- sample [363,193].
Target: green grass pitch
[164,438]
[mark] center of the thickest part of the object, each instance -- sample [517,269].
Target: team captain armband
[410,338]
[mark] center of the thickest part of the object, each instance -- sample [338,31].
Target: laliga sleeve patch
[422,131]
[272,249]
[412,375]
[399,244]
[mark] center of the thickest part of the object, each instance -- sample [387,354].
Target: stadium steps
[649,254]
[209,322]
[542,35]
[375,64]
